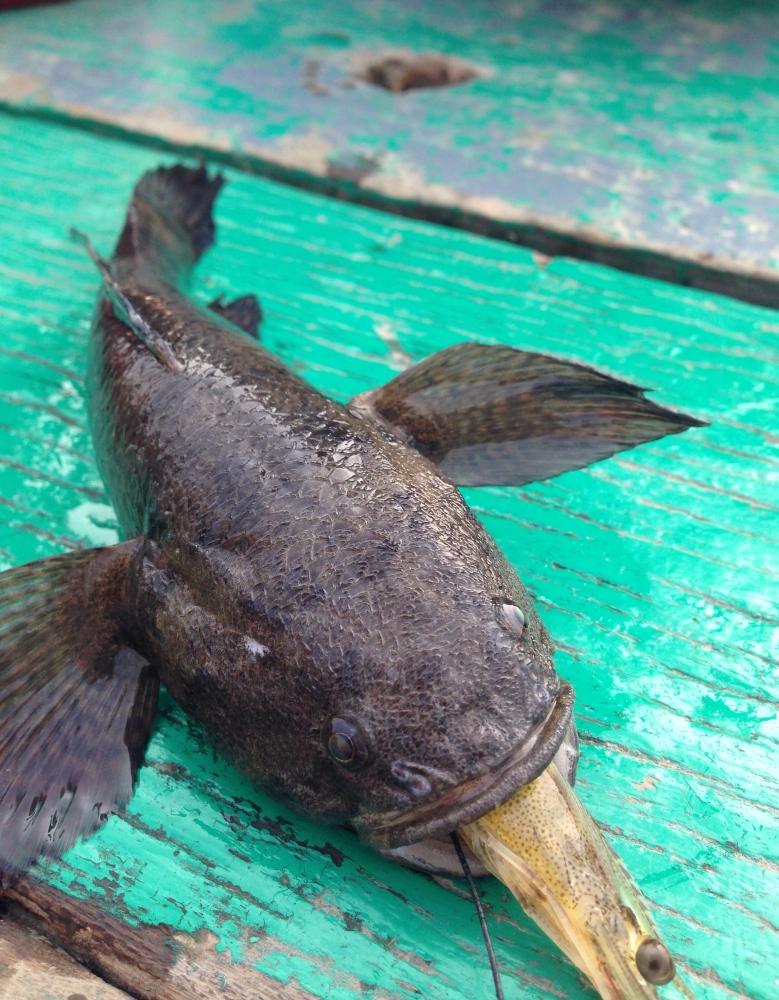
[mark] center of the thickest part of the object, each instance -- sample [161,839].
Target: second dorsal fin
[244,312]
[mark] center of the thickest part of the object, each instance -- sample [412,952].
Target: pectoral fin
[76,702]
[496,416]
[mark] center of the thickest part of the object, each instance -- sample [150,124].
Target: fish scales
[304,512]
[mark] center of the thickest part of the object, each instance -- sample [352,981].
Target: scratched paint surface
[651,126]
[655,571]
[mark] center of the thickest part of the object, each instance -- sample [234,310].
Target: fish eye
[514,618]
[654,962]
[346,743]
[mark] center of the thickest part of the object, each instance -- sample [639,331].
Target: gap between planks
[31,968]
[759,286]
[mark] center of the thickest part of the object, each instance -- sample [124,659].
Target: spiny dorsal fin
[495,416]
[125,311]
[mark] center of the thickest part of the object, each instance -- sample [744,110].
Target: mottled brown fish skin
[303,576]
[301,565]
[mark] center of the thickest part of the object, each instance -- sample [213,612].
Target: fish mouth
[473,798]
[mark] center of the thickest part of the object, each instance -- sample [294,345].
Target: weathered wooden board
[33,969]
[655,571]
[639,136]
[158,963]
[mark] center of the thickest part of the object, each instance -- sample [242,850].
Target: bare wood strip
[32,969]
[148,962]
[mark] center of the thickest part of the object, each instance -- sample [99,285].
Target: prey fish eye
[654,962]
[514,618]
[346,743]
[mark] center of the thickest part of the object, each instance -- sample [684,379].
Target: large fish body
[301,564]
[303,576]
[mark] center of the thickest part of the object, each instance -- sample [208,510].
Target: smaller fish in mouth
[546,848]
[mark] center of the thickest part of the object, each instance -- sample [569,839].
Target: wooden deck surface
[640,136]
[655,571]
[33,969]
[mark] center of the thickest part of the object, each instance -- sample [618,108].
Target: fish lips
[471,799]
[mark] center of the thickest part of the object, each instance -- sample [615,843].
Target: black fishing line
[482,919]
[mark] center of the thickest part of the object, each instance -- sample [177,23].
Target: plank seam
[720,276]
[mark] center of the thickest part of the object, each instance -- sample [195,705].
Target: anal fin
[76,702]
[244,312]
[496,416]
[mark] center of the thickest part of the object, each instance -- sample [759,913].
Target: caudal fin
[76,702]
[169,221]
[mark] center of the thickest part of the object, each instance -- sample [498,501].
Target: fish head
[449,701]
[391,676]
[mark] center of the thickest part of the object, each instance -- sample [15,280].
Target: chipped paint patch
[21,86]
[161,121]
[387,334]
[401,70]
[307,150]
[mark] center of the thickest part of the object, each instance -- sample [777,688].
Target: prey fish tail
[303,576]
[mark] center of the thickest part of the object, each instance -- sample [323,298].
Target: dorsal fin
[126,311]
[244,312]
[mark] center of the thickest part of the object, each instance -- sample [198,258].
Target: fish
[303,576]
[546,848]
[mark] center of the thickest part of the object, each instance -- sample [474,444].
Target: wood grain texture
[655,571]
[150,962]
[33,969]
[642,138]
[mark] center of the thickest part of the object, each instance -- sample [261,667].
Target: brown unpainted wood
[141,961]
[33,969]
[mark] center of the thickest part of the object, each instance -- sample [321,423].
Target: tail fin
[169,221]
[76,702]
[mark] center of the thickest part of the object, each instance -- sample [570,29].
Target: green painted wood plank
[643,138]
[656,572]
